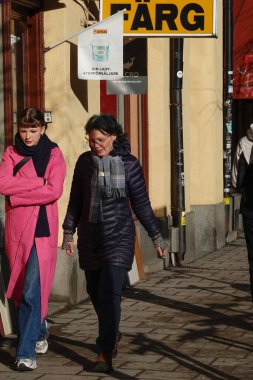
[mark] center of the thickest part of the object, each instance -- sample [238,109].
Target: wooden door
[23,60]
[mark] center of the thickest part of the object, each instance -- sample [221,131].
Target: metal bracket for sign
[87,12]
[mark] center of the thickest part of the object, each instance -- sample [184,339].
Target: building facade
[32,75]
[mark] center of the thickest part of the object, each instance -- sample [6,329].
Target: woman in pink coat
[31,176]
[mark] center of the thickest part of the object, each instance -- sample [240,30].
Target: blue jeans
[29,315]
[105,288]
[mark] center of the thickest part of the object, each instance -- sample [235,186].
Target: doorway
[22,59]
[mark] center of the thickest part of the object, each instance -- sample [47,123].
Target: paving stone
[70,377]
[168,375]
[58,369]
[19,376]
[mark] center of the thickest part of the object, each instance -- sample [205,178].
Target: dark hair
[107,124]
[31,117]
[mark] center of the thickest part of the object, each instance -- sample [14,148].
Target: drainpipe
[177,150]
[228,99]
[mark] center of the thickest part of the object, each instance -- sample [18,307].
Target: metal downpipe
[177,149]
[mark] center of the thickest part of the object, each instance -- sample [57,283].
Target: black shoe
[101,367]
[103,364]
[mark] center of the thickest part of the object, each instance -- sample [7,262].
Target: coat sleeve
[53,188]
[140,201]
[239,169]
[75,200]
[10,185]
[242,168]
[234,171]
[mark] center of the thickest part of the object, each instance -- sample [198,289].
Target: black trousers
[248,231]
[104,287]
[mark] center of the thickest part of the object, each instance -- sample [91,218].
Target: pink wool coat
[27,192]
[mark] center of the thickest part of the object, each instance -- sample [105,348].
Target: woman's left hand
[161,253]
[160,245]
[70,248]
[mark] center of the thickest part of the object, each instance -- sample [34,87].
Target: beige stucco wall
[204,125]
[159,127]
[202,120]
[69,114]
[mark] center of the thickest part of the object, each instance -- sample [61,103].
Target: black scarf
[40,154]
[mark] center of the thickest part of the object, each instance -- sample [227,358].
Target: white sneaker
[26,364]
[41,346]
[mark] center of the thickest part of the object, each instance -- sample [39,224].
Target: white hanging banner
[100,50]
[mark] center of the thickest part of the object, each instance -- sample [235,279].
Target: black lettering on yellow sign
[198,18]
[164,13]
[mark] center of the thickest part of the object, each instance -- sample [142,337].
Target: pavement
[193,322]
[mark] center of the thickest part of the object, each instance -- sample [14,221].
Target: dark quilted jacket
[113,240]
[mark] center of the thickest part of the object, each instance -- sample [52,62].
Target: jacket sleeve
[75,200]
[53,188]
[239,169]
[10,185]
[242,168]
[140,201]
[234,171]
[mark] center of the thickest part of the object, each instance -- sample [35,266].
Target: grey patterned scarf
[108,181]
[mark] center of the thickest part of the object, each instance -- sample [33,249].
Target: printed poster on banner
[100,50]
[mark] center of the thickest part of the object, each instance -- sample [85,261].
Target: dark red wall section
[108,103]
[243,49]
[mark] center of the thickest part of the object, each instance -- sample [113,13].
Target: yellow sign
[227,201]
[181,18]
[183,219]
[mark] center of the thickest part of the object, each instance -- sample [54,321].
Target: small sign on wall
[134,79]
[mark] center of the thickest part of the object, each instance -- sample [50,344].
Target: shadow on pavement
[147,344]
[212,316]
[6,358]
[60,345]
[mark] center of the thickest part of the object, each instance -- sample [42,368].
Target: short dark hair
[106,124]
[31,117]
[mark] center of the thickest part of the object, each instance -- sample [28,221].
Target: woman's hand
[161,253]
[68,243]
[70,248]
[160,245]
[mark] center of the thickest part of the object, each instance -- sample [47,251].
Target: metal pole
[228,99]
[177,150]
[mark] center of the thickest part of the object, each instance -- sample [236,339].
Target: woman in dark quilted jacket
[107,185]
